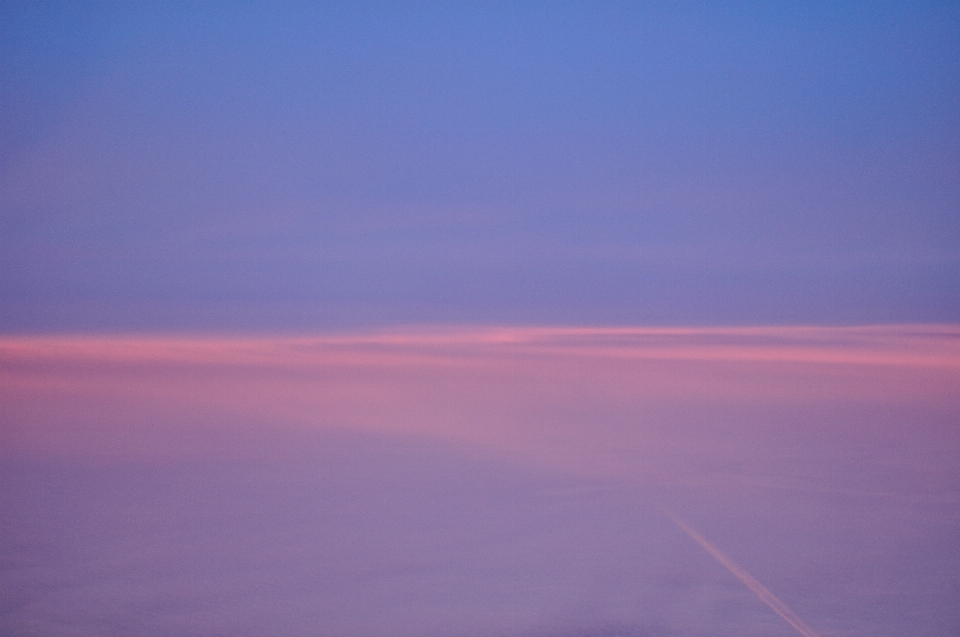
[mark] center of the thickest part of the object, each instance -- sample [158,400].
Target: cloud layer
[479,481]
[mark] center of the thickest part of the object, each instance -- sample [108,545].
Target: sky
[250,167]
[420,319]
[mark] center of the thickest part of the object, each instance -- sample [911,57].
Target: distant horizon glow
[441,381]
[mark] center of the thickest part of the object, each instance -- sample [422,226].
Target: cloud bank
[480,481]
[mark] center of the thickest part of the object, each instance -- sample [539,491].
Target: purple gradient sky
[252,167]
[218,224]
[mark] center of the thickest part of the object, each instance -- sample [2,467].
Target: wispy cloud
[533,388]
[914,345]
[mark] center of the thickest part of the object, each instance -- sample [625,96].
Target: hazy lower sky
[250,166]
[481,482]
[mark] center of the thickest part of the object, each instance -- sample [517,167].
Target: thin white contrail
[748,580]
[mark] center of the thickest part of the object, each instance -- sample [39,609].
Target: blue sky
[260,168]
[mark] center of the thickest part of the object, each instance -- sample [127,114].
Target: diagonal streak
[748,580]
